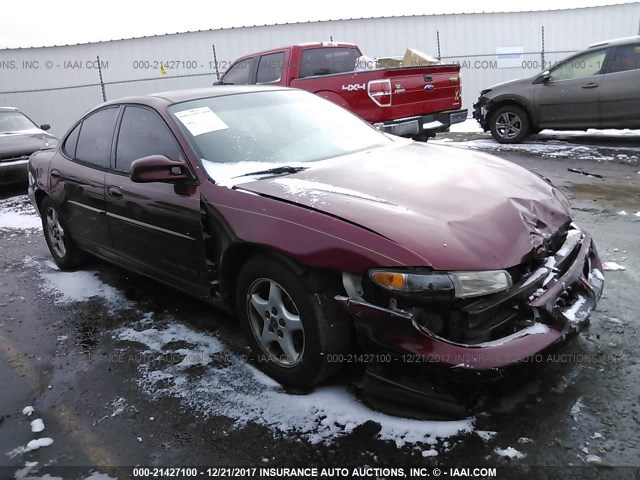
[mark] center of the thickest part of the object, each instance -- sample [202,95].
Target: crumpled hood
[20,144]
[457,209]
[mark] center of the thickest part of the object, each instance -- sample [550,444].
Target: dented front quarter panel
[310,237]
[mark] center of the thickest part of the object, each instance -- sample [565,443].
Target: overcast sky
[34,23]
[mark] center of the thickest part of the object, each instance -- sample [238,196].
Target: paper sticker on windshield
[201,120]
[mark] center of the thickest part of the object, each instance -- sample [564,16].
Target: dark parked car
[19,138]
[333,242]
[596,88]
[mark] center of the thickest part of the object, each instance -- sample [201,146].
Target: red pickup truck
[411,101]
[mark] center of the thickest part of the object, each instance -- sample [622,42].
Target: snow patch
[470,125]
[28,411]
[78,286]
[509,452]
[612,266]
[32,445]
[551,148]
[238,391]
[430,453]
[486,434]
[17,213]
[37,425]
[571,312]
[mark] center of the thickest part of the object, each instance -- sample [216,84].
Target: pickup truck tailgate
[413,91]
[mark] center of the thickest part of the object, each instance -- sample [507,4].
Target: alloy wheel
[275,322]
[56,233]
[508,125]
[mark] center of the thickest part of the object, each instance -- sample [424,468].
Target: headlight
[485,91]
[443,284]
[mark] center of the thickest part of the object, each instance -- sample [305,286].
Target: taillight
[380,92]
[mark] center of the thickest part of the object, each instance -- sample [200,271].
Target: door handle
[429,87]
[55,173]
[590,85]
[115,193]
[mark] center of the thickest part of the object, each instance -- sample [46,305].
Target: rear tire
[64,250]
[510,124]
[294,329]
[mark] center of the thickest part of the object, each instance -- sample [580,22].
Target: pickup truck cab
[410,101]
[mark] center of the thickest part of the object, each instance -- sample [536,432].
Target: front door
[156,227]
[569,99]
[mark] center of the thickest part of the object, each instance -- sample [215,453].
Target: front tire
[64,250]
[510,124]
[296,331]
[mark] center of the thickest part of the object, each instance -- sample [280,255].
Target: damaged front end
[440,343]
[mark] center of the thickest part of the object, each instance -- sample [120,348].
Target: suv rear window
[326,61]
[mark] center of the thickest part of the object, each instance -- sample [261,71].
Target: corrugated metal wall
[470,39]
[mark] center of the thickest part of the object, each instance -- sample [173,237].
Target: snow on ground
[551,149]
[593,132]
[509,452]
[29,469]
[32,445]
[28,411]
[78,286]
[17,213]
[612,266]
[470,125]
[37,425]
[226,385]
[197,368]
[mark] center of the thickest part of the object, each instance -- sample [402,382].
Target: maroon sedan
[332,241]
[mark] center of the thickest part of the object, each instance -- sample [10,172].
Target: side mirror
[158,168]
[543,77]
[45,127]
[217,82]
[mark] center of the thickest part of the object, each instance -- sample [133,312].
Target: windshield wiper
[274,171]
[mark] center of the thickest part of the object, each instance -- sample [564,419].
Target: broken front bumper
[559,305]
[480,110]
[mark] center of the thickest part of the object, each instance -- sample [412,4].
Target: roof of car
[177,96]
[616,41]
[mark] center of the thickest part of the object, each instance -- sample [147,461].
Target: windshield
[14,122]
[267,129]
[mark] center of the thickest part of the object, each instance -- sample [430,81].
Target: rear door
[270,69]
[77,180]
[156,227]
[620,91]
[569,99]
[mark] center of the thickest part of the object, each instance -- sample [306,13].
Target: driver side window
[581,66]
[143,133]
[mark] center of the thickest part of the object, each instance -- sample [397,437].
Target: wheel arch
[40,195]
[510,100]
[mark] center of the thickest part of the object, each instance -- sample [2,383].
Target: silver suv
[596,88]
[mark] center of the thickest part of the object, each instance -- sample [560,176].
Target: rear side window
[96,137]
[142,133]
[325,61]
[627,57]
[239,73]
[270,68]
[69,147]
